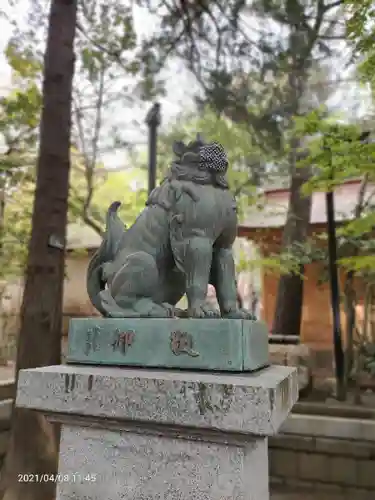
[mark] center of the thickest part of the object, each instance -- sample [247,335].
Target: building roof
[273,212]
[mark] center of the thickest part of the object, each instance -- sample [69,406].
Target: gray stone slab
[330,427]
[255,403]
[98,464]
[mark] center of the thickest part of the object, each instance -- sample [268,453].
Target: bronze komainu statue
[181,242]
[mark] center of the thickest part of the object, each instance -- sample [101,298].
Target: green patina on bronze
[218,344]
[181,242]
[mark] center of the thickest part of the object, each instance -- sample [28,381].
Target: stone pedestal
[216,345]
[144,435]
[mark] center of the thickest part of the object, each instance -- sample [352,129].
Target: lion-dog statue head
[200,162]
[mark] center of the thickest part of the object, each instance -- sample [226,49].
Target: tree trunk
[289,301]
[33,442]
[349,287]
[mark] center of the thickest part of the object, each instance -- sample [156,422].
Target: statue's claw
[239,314]
[169,309]
[163,310]
[203,311]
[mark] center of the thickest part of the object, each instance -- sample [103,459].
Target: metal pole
[335,297]
[334,283]
[153,121]
[335,293]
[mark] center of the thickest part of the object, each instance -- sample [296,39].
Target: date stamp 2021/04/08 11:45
[57,478]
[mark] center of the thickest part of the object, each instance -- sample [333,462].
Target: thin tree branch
[91,164]
[333,5]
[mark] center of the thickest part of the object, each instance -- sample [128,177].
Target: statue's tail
[95,281]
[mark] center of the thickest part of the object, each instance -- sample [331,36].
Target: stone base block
[198,344]
[114,464]
[174,435]
[299,356]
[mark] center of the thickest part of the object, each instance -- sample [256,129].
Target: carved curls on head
[200,162]
[213,158]
[188,153]
[208,156]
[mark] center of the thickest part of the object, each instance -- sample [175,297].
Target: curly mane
[187,165]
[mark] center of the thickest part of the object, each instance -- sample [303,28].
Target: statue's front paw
[203,311]
[239,314]
[162,311]
[170,310]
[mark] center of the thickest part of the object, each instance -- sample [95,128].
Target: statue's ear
[179,148]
